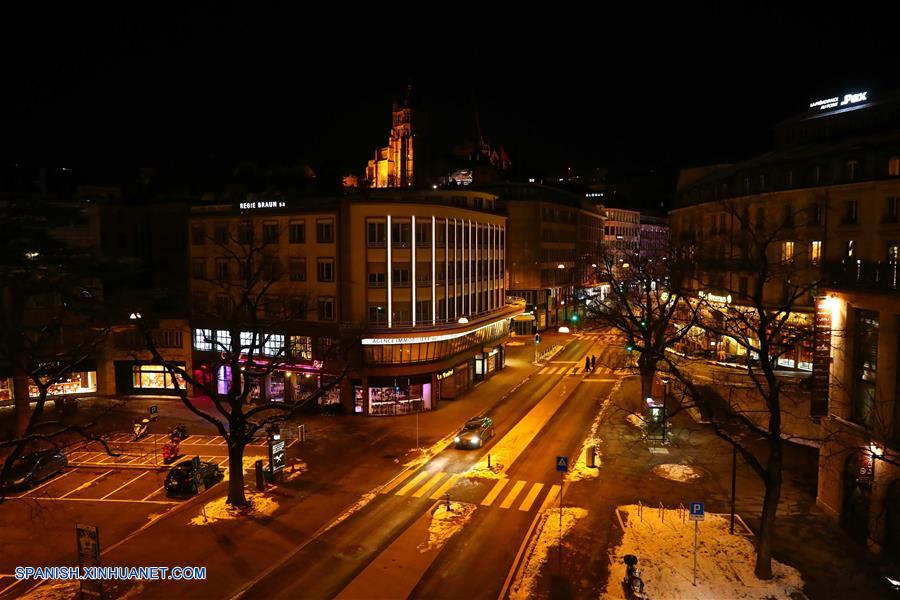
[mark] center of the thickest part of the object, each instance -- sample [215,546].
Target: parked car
[33,468]
[182,477]
[475,432]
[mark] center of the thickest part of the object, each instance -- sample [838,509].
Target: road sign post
[154,412]
[697,514]
[562,465]
[88,539]
[276,457]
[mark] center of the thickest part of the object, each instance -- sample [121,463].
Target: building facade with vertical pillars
[408,286]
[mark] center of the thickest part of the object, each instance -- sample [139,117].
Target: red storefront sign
[821,370]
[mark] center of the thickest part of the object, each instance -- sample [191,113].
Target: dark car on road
[183,476]
[34,468]
[475,432]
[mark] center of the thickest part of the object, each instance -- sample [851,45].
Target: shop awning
[528,317]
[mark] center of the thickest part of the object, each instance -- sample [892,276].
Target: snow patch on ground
[294,470]
[682,473]
[637,421]
[260,505]
[54,590]
[499,463]
[580,471]
[423,455]
[365,499]
[664,545]
[547,535]
[446,523]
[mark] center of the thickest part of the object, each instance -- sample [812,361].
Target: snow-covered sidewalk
[663,541]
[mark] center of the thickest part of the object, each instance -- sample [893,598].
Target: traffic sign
[697,512]
[562,463]
[154,412]
[537,338]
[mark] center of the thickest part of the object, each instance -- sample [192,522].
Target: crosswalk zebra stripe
[532,494]
[397,481]
[428,485]
[451,481]
[413,483]
[511,497]
[495,491]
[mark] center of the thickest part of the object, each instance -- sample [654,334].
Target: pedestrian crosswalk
[507,494]
[572,370]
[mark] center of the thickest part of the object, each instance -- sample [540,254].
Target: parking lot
[146,453]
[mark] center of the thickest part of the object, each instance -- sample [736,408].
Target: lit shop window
[154,377]
[301,347]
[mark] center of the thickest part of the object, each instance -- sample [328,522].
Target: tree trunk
[22,401]
[763,568]
[236,474]
[647,369]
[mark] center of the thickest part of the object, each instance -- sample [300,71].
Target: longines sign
[838,102]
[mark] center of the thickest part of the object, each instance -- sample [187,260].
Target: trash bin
[591,458]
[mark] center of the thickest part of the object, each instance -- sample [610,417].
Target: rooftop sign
[837,102]
[258,204]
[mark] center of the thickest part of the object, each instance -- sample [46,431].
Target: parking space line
[72,456]
[123,485]
[109,500]
[400,479]
[428,485]
[532,494]
[153,493]
[48,482]
[413,483]
[84,485]
[511,497]
[446,486]
[495,491]
[222,442]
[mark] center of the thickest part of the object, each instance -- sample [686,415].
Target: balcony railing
[882,276]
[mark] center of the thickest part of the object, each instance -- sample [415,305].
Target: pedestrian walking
[587,364]
[593,362]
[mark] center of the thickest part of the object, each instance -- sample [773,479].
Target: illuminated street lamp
[564,329]
[463,320]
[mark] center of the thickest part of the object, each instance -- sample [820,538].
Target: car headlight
[456,439]
[475,439]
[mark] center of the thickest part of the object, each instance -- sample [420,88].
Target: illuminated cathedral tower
[392,165]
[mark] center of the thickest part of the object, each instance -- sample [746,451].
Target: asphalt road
[474,564]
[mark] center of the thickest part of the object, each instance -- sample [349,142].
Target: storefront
[83,381]
[140,378]
[454,381]
[398,395]
[524,324]
[485,364]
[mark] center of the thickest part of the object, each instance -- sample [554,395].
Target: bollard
[260,476]
[591,458]
[447,500]
[489,461]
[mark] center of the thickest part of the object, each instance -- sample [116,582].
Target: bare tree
[246,348]
[50,352]
[757,283]
[645,303]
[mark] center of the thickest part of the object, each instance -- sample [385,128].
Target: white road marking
[109,500]
[46,483]
[153,493]
[123,485]
[428,485]
[495,491]
[413,483]
[397,481]
[511,497]
[444,487]
[83,486]
[532,494]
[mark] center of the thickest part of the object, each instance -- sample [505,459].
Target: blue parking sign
[697,512]
[562,463]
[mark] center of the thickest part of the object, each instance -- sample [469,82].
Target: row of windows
[296,269]
[481,236]
[411,353]
[400,275]
[268,344]
[272,307]
[850,171]
[271,232]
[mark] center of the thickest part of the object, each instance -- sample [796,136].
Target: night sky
[166,85]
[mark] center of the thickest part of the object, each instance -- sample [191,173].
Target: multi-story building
[554,241]
[406,289]
[654,235]
[833,184]
[621,232]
